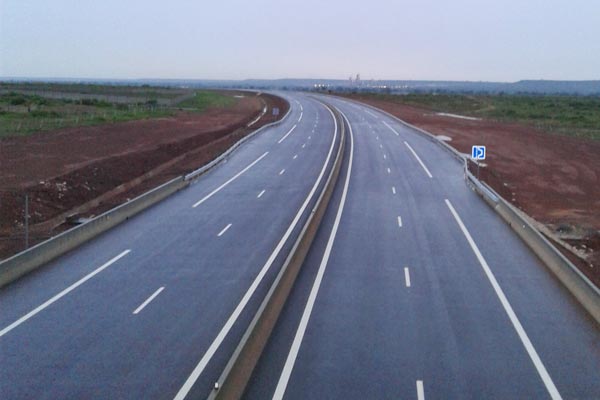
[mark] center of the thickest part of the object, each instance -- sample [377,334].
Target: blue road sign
[478,152]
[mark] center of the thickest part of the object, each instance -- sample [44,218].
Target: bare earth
[554,179]
[84,171]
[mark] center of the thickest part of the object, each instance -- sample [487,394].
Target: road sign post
[478,154]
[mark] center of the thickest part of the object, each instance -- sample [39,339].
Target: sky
[477,40]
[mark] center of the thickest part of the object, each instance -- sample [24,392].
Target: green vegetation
[203,100]
[29,108]
[95,89]
[566,115]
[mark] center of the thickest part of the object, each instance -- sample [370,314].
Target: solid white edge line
[420,391]
[148,300]
[199,368]
[392,129]
[537,362]
[418,159]
[208,196]
[224,230]
[300,119]
[63,293]
[287,134]
[295,348]
[407,277]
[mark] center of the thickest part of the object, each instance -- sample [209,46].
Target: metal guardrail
[42,253]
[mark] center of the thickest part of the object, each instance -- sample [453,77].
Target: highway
[152,308]
[413,288]
[416,289]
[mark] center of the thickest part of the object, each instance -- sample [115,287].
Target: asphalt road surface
[414,288]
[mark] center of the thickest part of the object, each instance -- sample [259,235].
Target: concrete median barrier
[237,373]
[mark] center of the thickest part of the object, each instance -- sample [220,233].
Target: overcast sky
[503,40]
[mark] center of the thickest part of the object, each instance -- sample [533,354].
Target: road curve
[154,307]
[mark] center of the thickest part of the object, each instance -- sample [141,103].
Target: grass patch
[565,115]
[201,100]
[24,112]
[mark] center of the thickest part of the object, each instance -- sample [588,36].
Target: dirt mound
[555,179]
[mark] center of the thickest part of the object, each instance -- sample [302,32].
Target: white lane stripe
[295,348]
[309,138]
[389,171]
[63,293]
[295,156]
[384,157]
[394,189]
[400,221]
[377,137]
[211,194]
[552,390]
[393,130]
[301,108]
[224,230]
[420,391]
[282,171]
[369,112]
[303,145]
[199,368]
[300,119]
[381,146]
[407,277]
[260,194]
[287,134]
[148,300]
[418,159]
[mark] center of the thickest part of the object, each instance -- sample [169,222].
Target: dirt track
[87,170]
[555,179]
